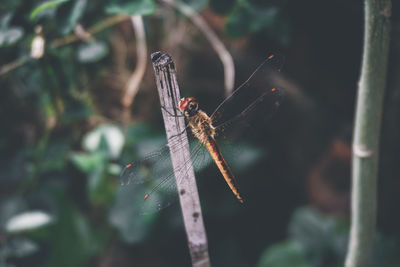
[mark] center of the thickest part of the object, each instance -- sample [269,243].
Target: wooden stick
[168,91]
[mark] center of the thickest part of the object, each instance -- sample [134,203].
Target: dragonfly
[253,102]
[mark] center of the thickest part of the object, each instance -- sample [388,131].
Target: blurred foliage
[142,7]
[247,17]
[321,240]
[62,150]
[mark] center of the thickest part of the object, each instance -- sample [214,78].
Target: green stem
[366,132]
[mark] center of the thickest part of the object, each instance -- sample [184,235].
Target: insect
[251,103]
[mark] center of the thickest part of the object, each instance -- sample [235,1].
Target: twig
[366,132]
[82,34]
[108,22]
[168,90]
[13,65]
[219,47]
[67,40]
[132,86]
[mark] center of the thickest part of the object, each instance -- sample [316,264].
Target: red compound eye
[185,102]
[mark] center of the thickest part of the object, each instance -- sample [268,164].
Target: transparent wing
[247,101]
[255,115]
[245,112]
[154,176]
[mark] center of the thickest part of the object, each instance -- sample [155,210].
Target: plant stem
[366,132]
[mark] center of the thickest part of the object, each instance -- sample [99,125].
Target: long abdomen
[216,155]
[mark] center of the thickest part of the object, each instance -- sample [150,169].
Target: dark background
[297,189]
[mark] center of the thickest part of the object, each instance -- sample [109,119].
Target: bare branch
[216,43]
[108,22]
[132,86]
[13,65]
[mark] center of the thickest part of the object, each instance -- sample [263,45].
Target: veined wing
[258,97]
[154,176]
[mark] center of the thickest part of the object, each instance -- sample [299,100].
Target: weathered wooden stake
[168,91]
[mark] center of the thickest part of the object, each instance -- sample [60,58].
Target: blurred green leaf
[88,162]
[10,207]
[46,105]
[322,235]
[316,239]
[284,254]
[45,6]
[130,7]
[101,188]
[241,155]
[76,110]
[114,169]
[247,17]
[92,52]
[18,247]
[28,220]
[9,5]
[73,240]
[111,135]
[196,5]
[141,140]
[55,155]
[138,131]
[9,35]
[74,14]
[125,215]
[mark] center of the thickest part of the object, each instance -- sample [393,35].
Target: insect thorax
[201,126]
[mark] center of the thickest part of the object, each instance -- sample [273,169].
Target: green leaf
[92,52]
[321,235]
[10,207]
[196,5]
[76,110]
[45,6]
[247,17]
[126,218]
[10,5]
[18,247]
[131,7]
[284,254]
[241,155]
[75,13]
[73,240]
[138,131]
[112,136]
[55,155]
[88,162]
[9,35]
[101,188]
[28,220]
